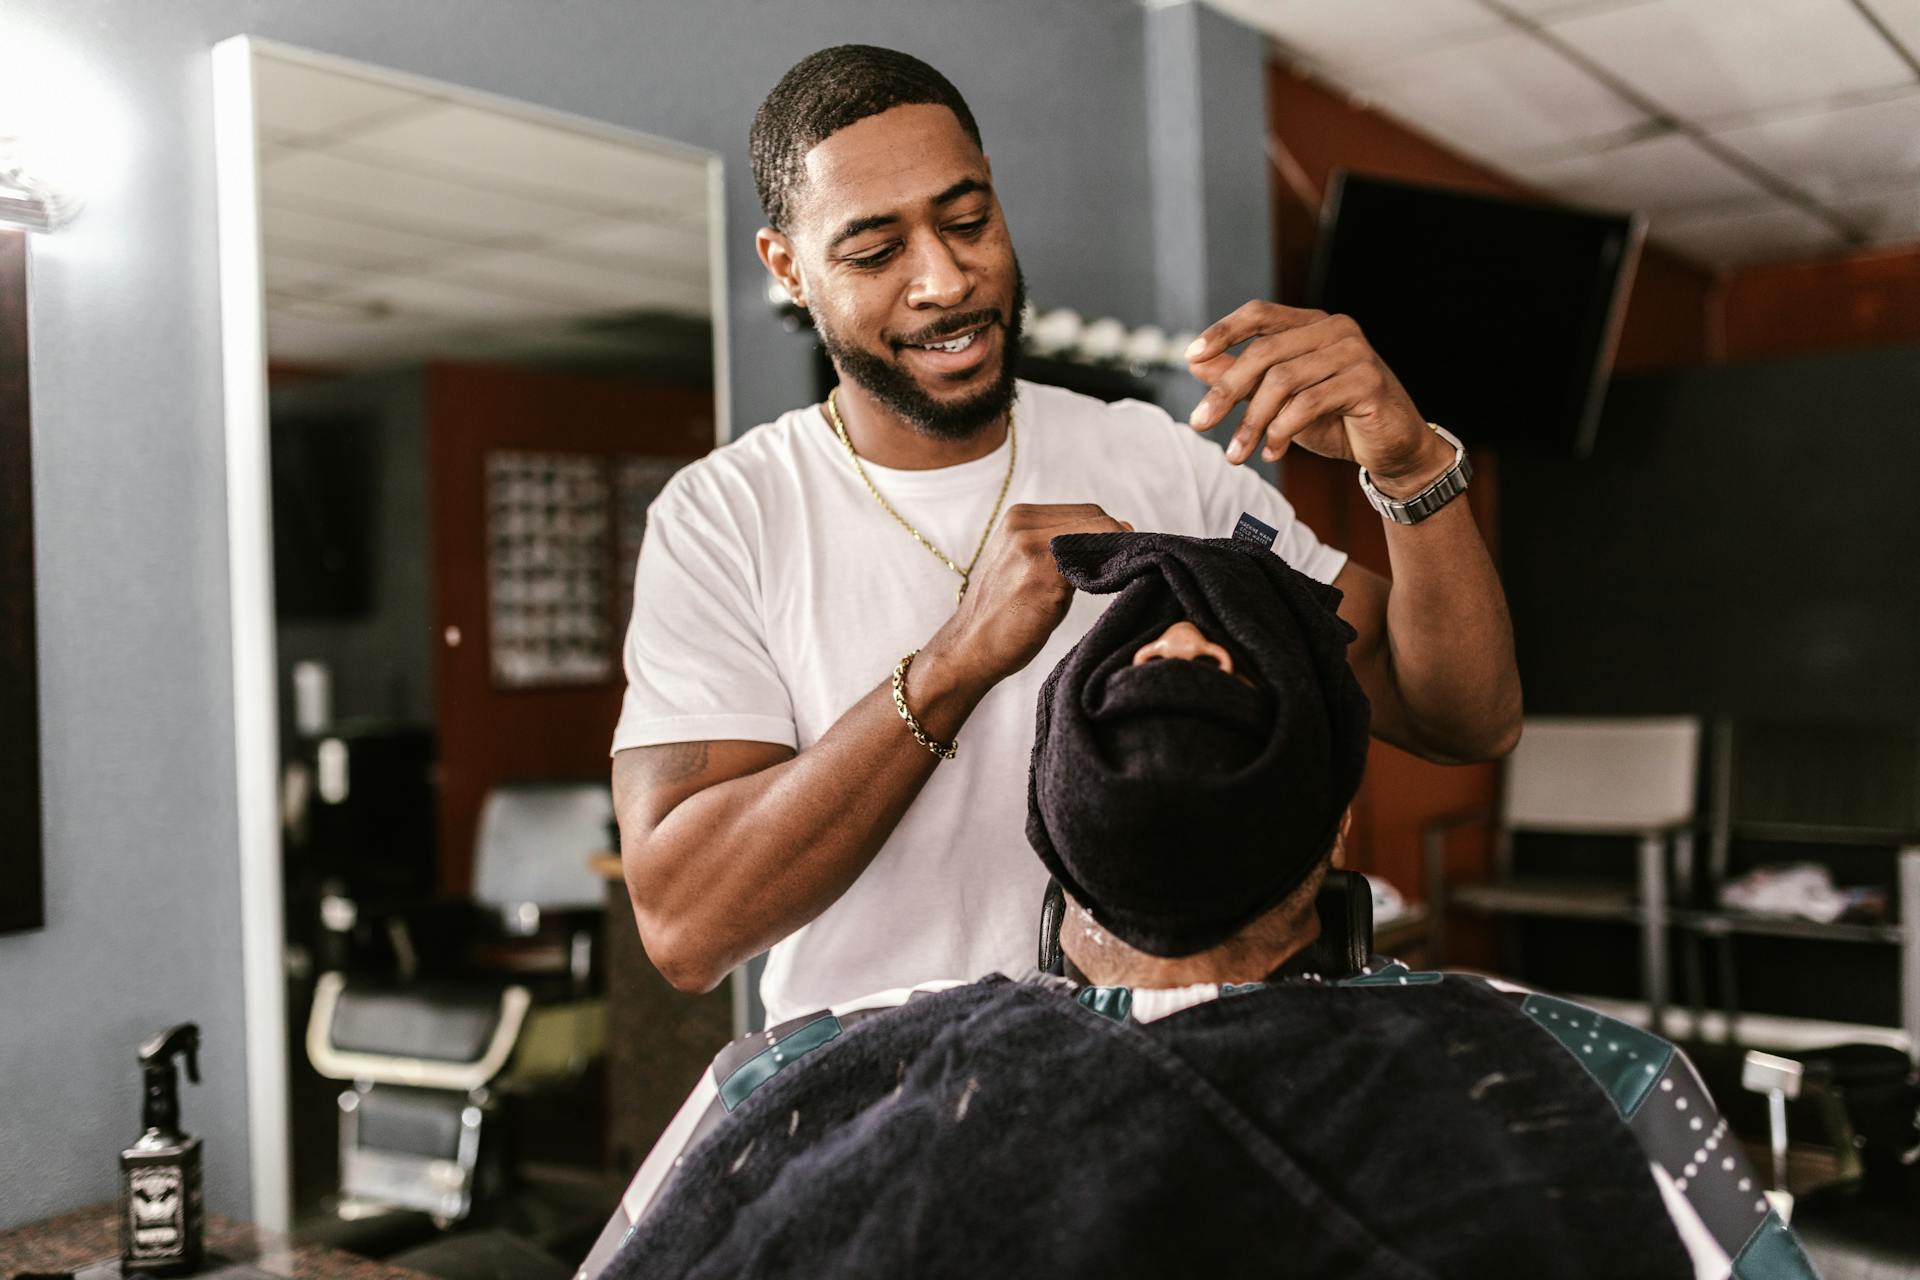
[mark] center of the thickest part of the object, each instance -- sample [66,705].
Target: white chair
[1635,778]
[532,849]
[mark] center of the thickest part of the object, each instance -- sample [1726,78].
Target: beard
[894,387]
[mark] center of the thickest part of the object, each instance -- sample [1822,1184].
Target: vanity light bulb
[1146,347]
[1104,339]
[1056,331]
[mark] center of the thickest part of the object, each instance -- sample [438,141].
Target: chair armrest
[425,1037]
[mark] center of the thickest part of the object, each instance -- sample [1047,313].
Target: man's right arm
[730,846]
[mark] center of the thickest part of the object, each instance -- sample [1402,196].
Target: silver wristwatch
[1430,499]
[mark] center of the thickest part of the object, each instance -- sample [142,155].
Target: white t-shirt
[773,593]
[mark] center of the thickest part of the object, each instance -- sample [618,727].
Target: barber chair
[1344,906]
[496,997]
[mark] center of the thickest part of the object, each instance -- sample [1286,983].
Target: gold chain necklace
[1013,452]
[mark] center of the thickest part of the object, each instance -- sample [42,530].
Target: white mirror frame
[256,734]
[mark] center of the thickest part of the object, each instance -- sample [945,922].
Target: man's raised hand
[1311,377]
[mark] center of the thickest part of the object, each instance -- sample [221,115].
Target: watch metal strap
[1430,499]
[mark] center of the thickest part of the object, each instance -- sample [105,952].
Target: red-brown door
[511,457]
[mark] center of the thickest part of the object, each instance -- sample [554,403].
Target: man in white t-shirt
[842,618]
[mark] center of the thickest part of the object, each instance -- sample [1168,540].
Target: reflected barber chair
[496,997]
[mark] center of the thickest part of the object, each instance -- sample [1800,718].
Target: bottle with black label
[160,1211]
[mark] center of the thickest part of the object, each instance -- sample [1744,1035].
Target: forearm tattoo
[674,762]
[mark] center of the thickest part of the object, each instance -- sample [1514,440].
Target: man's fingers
[1321,400]
[1283,381]
[1238,380]
[1041,514]
[1246,321]
[1210,369]
[1053,518]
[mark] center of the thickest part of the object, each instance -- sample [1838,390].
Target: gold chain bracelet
[944,750]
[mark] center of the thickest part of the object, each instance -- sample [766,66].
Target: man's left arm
[1435,646]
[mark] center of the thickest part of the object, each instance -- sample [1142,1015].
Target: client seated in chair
[1219,1084]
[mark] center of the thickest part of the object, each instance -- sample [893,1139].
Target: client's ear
[1339,858]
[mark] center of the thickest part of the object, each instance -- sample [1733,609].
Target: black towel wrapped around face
[1171,800]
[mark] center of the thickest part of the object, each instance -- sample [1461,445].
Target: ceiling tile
[1701,58]
[415,295]
[1555,10]
[293,99]
[1343,34]
[1497,98]
[412,200]
[1771,231]
[460,229]
[569,281]
[1892,217]
[500,151]
[1664,173]
[625,244]
[363,241]
[285,272]
[308,334]
[1827,151]
[1902,18]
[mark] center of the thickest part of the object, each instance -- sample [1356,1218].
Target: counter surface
[87,1237]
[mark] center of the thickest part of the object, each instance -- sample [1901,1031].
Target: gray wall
[143,901]
[142,884]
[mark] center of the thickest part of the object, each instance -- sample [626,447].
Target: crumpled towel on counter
[1804,890]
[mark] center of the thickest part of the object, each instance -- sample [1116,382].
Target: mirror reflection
[490,343]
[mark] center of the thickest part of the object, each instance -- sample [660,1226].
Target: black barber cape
[1001,1129]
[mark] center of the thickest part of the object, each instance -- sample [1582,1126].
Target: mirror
[489,339]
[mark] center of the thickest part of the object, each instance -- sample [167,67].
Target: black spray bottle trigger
[160,1108]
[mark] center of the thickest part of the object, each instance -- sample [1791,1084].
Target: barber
[842,618]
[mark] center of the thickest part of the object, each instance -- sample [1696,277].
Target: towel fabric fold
[1170,799]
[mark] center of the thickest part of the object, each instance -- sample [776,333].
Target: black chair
[1865,1222]
[495,997]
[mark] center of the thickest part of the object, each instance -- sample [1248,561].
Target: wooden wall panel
[1861,300]
[489,734]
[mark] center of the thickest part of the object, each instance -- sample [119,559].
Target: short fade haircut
[822,94]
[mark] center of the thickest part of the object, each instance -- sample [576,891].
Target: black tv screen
[1498,316]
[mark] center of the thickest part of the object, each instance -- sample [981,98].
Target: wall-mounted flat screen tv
[1499,316]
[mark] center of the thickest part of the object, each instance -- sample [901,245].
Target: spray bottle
[160,1210]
